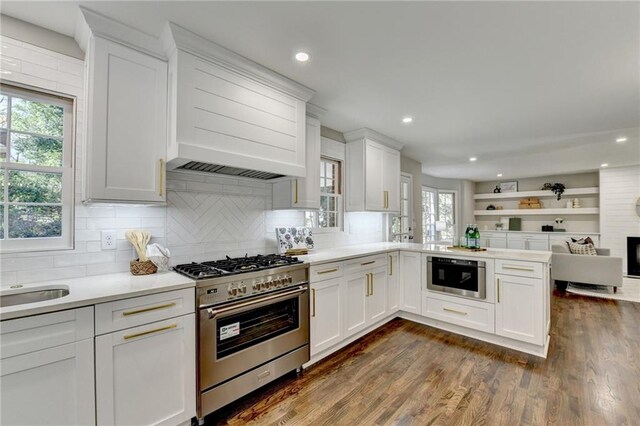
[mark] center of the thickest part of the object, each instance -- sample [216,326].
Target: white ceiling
[530,88]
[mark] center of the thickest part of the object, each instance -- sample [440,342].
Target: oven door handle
[215,312]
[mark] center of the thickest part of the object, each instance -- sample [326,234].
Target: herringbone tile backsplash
[209,217]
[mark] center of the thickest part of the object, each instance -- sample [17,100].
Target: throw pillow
[585,249]
[587,240]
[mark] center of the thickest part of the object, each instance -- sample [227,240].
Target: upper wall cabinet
[126,116]
[303,193]
[372,172]
[227,111]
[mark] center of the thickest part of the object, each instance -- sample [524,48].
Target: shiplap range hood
[229,115]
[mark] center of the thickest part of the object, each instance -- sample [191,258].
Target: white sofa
[585,269]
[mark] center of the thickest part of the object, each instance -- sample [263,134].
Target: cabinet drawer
[519,268]
[366,263]
[38,332]
[325,272]
[541,237]
[127,313]
[478,316]
[489,234]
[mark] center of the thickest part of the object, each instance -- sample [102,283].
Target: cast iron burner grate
[236,265]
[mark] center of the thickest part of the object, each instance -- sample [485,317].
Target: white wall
[465,191]
[619,192]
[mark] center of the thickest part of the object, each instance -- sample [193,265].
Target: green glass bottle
[476,237]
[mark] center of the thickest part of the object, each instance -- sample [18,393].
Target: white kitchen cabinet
[47,375]
[303,193]
[411,265]
[126,124]
[528,242]
[365,294]
[377,299]
[146,375]
[394,289]
[326,314]
[520,308]
[372,172]
[355,303]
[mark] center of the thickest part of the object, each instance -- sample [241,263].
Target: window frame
[67,169]
[314,215]
[456,200]
[404,178]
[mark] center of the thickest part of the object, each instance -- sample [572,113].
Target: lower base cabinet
[47,369]
[411,279]
[326,314]
[520,308]
[145,375]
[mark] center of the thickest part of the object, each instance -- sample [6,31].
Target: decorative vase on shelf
[576,203]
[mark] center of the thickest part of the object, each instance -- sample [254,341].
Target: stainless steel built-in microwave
[465,278]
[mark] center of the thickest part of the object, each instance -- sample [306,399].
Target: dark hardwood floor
[407,373]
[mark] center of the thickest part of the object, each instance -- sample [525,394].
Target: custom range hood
[229,115]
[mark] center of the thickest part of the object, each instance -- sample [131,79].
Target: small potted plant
[558,189]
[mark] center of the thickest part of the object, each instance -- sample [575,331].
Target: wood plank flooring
[406,373]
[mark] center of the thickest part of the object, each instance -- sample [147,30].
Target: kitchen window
[36,170]
[438,215]
[401,225]
[329,216]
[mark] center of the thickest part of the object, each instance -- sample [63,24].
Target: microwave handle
[215,312]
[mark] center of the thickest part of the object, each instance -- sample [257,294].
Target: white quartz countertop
[348,252]
[91,290]
[561,233]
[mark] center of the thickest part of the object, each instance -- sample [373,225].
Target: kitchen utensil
[139,239]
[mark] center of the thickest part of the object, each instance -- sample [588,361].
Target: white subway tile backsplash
[17,264]
[51,274]
[84,259]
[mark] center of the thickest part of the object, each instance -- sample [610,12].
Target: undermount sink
[19,296]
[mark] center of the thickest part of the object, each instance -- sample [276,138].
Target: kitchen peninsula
[356,289]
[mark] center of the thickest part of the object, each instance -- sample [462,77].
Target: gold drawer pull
[313,306]
[153,308]
[518,268]
[367,263]
[145,333]
[328,271]
[295,201]
[391,265]
[454,311]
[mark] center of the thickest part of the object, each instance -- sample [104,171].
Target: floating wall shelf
[539,194]
[531,212]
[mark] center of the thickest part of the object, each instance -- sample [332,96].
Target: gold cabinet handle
[368,263]
[368,285]
[161,177]
[390,265]
[313,305]
[454,311]
[517,268]
[295,195]
[145,333]
[152,308]
[328,271]
[498,289]
[371,284]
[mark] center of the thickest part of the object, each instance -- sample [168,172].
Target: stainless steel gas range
[253,324]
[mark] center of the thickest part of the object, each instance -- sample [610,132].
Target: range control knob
[243,290]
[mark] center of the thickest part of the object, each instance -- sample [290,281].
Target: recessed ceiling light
[604,165]
[499,174]
[472,159]
[302,56]
[621,140]
[407,120]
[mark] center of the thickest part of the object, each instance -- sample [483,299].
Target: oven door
[238,337]
[464,278]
